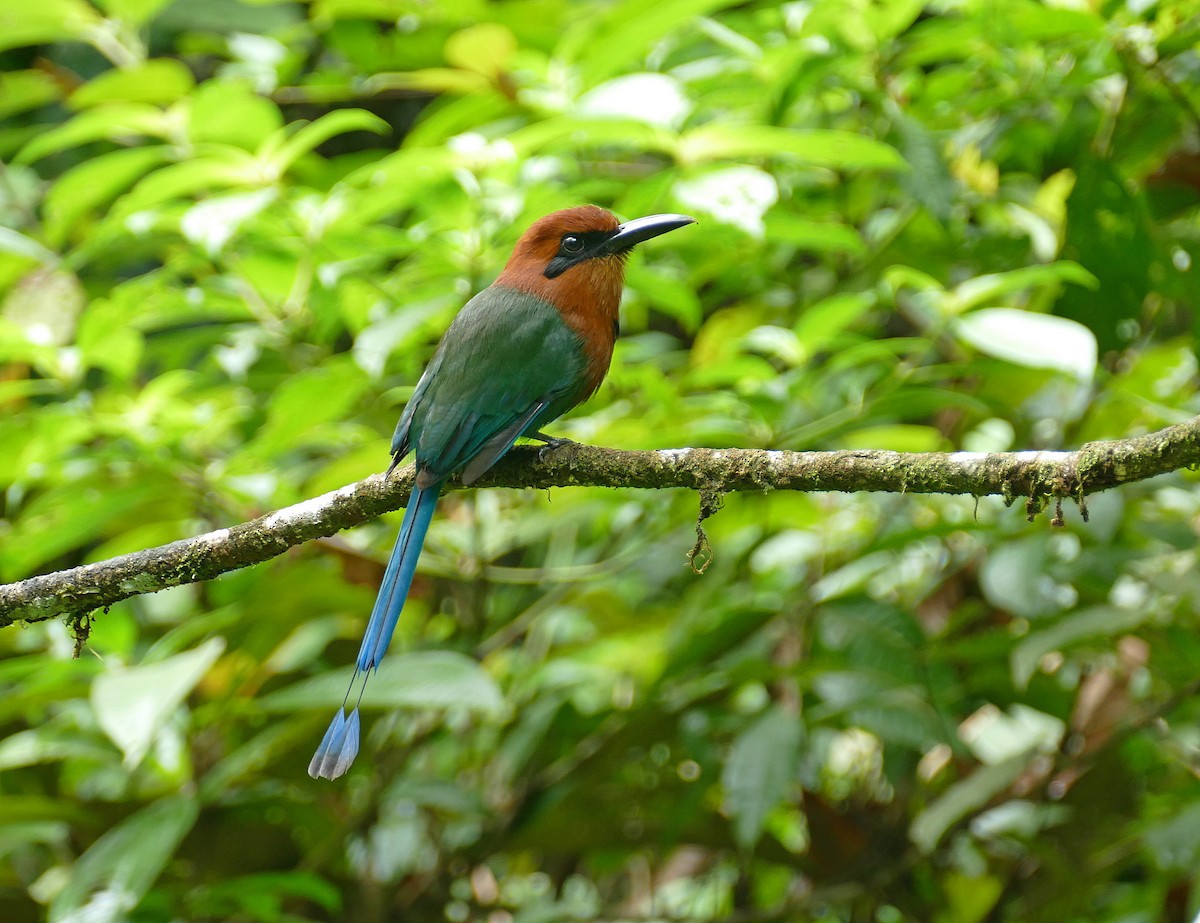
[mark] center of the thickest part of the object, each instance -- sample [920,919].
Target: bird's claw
[552,443]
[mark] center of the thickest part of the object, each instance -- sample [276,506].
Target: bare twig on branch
[1039,476]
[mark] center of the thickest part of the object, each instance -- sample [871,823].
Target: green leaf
[1040,341]
[265,896]
[760,771]
[996,737]
[1014,578]
[227,113]
[1098,621]
[44,22]
[132,703]
[160,81]
[93,184]
[838,150]
[15,242]
[992,287]
[898,437]
[820,324]
[1175,842]
[280,154]
[110,879]
[573,133]
[961,799]
[21,91]
[422,679]
[668,294]
[430,80]
[104,123]
[214,221]
[223,168]
[486,48]
[1038,22]
[814,236]
[307,400]
[133,12]
[624,32]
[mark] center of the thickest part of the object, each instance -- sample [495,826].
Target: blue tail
[340,743]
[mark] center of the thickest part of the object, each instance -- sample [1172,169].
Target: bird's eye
[572,244]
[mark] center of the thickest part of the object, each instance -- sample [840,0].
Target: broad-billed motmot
[519,354]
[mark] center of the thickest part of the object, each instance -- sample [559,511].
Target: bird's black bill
[632,233]
[587,245]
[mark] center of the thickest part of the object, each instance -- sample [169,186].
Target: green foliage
[230,235]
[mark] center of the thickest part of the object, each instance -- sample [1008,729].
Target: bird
[518,355]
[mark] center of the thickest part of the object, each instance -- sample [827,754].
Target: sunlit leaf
[162,80]
[108,122]
[284,154]
[46,21]
[839,150]
[24,90]
[132,703]
[95,183]
[486,48]
[1040,341]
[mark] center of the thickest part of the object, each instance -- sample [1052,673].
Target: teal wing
[507,365]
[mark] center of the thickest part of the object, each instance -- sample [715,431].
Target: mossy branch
[1038,476]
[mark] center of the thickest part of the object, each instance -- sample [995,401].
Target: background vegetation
[232,232]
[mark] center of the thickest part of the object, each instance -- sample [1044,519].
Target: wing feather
[508,365]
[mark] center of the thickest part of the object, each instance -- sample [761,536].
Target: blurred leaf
[44,22]
[213,222]
[1099,621]
[1107,232]
[223,168]
[21,91]
[619,33]
[982,289]
[838,150]
[961,799]
[133,12]
[162,80]
[421,679]
[109,122]
[1039,341]
[132,703]
[995,737]
[110,879]
[281,154]
[264,896]
[231,113]
[15,242]
[1175,842]
[486,48]
[95,183]
[898,437]
[1014,578]
[308,399]
[760,771]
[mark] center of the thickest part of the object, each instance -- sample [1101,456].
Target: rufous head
[574,259]
[578,254]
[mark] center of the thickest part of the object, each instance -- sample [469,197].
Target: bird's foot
[552,443]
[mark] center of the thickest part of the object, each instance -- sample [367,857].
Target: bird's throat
[588,297]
